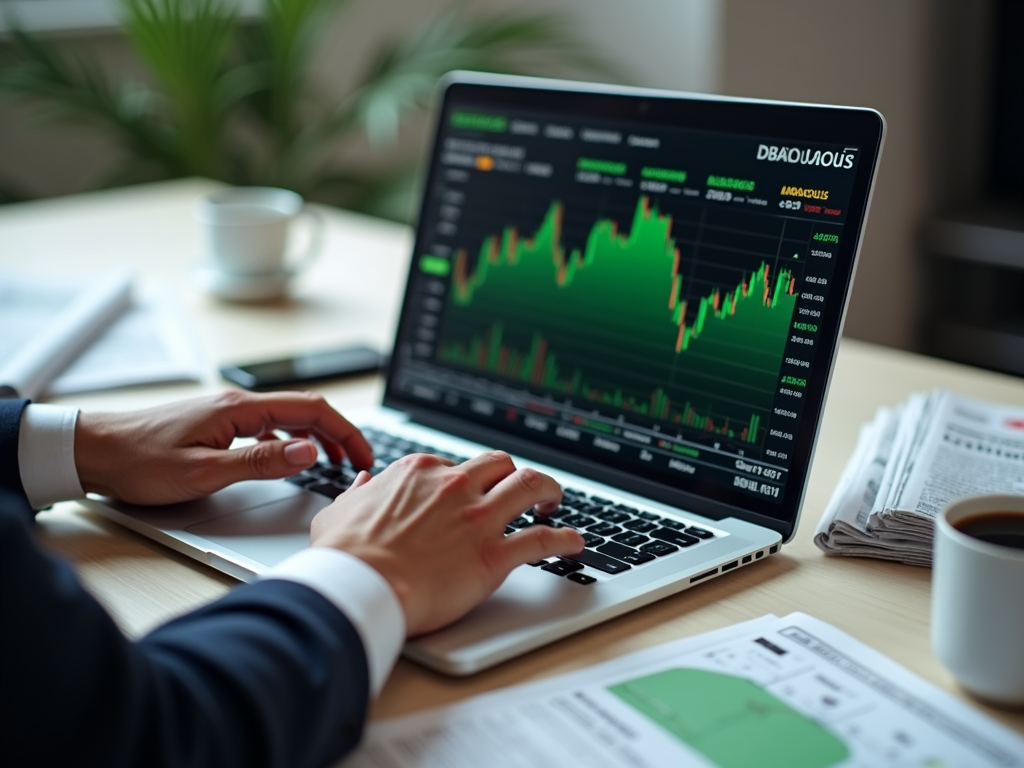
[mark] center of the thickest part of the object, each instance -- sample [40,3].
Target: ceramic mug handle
[318,223]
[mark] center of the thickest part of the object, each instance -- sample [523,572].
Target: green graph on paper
[731,720]
[611,321]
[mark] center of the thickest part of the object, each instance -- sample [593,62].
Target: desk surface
[353,293]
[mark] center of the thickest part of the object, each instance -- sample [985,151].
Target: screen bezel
[851,126]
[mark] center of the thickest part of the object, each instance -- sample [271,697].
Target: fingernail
[300,454]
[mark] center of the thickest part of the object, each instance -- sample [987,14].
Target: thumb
[267,460]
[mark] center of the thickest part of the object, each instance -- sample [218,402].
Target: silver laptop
[638,292]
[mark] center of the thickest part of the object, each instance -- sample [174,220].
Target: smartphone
[308,366]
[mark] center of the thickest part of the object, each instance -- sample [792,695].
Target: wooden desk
[352,293]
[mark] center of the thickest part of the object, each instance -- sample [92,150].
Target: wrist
[95,446]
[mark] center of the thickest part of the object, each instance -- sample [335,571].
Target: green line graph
[615,320]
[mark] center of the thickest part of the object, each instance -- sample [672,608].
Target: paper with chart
[64,335]
[793,692]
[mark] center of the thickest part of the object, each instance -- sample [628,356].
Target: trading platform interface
[645,296]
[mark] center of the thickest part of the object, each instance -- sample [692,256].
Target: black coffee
[1003,528]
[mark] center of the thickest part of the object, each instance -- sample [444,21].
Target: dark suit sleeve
[10,425]
[270,675]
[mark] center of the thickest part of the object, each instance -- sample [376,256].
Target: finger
[264,460]
[536,543]
[252,414]
[547,507]
[488,469]
[522,490]
[361,479]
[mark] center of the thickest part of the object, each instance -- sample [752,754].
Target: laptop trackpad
[268,533]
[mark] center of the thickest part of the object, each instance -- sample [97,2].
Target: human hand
[434,531]
[181,451]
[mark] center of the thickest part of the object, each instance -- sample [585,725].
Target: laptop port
[759,555]
[773,549]
[746,559]
[730,566]
[704,575]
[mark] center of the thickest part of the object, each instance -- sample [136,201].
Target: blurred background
[942,268]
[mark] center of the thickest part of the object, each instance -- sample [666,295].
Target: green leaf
[73,90]
[185,43]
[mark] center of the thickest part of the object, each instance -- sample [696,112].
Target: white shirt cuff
[46,454]
[362,594]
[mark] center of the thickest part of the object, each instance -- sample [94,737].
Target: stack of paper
[770,693]
[913,460]
[63,335]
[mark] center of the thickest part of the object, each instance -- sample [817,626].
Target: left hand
[182,451]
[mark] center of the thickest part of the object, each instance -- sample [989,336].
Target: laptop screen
[655,297]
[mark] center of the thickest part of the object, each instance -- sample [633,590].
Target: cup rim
[212,207]
[970,506]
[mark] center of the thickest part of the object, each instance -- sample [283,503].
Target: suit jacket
[273,674]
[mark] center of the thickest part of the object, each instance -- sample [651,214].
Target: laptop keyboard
[618,536]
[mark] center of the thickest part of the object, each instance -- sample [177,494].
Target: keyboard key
[330,490]
[546,521]
[627,510]
[601,561]
[673,524]
[604,529]
[581,578]
[700,533]
[509,529]
[631,539]
[640,526]
[612,516]
[590,509]
[301,480]
[561,567]
[573,492]
[592,540]
[521,522]
[625,554]
[675,537]
[325,472]
[599,500]
[537,563]
[616,550]
[659,548]
[648,516]
[577,521]
[562,511]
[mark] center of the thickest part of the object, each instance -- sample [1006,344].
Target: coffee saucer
[235,287]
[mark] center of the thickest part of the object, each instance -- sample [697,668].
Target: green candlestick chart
[613,323]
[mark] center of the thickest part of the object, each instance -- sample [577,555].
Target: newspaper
[913,460]
[793,692]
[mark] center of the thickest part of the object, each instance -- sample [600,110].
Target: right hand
[435,531]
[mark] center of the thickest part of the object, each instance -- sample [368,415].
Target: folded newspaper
[909,463]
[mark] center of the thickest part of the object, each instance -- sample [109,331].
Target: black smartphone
[305,367]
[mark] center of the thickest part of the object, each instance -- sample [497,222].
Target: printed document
[64,335]
[793,692]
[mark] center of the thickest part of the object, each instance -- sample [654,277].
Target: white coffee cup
[245,234]
[978,602]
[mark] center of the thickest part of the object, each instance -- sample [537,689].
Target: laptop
[638,292]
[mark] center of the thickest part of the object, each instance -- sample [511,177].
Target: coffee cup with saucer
[245,234]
